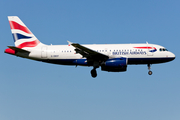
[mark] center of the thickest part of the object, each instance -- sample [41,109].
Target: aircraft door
[44,52]
[107,52]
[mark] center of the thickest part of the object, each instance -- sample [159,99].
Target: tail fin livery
[23,37]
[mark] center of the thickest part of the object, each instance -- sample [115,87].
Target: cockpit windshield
[163,49]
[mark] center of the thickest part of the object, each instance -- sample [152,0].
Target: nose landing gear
[150,72]
[149,68]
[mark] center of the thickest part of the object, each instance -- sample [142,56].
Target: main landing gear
[149,68]
[93,71]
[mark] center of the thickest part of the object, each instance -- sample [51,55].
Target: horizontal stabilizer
[18,49]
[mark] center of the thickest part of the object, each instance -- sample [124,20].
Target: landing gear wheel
[150,72]
[149,68]
[93,73]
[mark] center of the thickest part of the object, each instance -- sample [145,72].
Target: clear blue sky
[31,90]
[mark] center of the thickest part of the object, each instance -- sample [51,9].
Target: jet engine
[115,65]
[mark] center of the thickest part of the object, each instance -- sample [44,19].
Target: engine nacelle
[115,65]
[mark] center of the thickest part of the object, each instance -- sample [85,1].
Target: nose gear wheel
[149,68]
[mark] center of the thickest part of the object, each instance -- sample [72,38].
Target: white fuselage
[134,52]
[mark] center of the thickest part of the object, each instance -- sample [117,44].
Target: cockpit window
[163,49]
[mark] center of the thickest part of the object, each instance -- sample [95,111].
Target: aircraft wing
[90,54]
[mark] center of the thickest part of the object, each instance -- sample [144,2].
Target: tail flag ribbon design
[23,37]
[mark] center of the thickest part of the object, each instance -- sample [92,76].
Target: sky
[31,90]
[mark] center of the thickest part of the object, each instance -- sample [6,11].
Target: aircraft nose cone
[172,56]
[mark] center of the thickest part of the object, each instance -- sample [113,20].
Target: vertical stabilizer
[23,37]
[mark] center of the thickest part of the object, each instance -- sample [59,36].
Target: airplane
[110,57]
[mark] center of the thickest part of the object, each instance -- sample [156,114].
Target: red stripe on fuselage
[29,44]
[17,26]
[145,47]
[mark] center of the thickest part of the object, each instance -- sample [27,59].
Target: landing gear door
[44,52]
